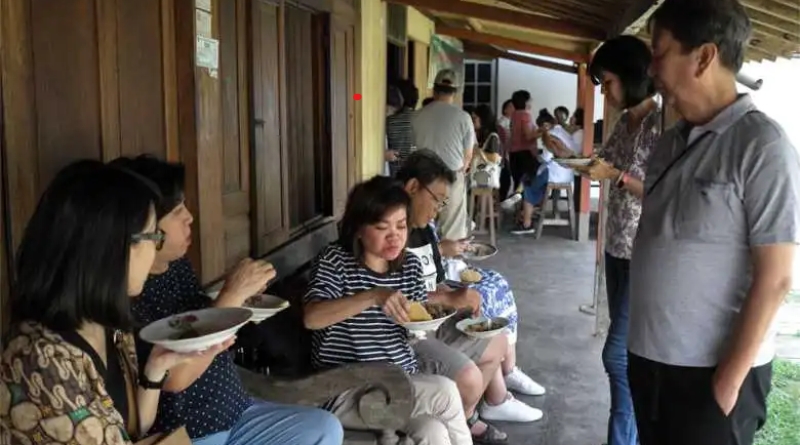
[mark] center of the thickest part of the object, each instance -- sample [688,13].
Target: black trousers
[675,405]
[517,163]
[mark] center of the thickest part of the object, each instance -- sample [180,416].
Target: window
[479,86]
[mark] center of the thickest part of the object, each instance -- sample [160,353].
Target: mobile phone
[455,284]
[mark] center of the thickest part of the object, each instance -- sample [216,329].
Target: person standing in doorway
[399,136]
[447,130]
[620,68]
[712,259]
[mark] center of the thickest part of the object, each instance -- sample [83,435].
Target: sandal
[491,436]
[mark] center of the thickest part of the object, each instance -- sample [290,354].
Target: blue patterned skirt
[497,300]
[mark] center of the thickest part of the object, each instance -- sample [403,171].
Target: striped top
[399,136]
[370,336]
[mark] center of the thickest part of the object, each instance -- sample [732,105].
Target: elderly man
[712,260]
[447,130]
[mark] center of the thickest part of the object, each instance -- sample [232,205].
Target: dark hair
[446,90]
[693,23]
[579,115]
[367,203]
[520,99]
[488,122]
[628,58]
[505,104]
[426,167]
[561,109]
[393,97]
[168,177]
[72,263]
[469,109]
[545,118]
[426,101]
[409,92]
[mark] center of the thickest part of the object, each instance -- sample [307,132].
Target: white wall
[548,88]
[780,95]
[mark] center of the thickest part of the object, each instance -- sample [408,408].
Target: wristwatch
[146,383]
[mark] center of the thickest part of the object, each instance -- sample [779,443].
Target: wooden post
[585,101]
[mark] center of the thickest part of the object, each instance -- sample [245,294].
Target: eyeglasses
[441,203]
[157,237]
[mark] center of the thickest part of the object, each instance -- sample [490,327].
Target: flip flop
[491,436]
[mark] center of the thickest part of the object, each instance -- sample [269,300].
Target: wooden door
[342,87]
[268,164]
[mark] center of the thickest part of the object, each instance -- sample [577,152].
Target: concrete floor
[551,277]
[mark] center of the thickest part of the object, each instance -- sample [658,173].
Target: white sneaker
[510,203]
[518,381]
[512,410]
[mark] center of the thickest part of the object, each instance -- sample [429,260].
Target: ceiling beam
[632,14]
[512,44]
[775,9]
[505,16]
[774,24]
[535,61]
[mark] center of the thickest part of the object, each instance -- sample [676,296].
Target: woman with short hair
[620,67]
[69,372]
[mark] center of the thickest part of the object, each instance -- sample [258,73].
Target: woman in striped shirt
[359,297]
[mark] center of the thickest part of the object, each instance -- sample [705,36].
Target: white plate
[265,306]
[217,325]
[574,162]
[500,322]
[431,325]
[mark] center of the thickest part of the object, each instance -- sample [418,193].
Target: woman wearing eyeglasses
[69,372]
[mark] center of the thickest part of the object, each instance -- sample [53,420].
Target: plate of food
[470,276]
[574,162]
[482,327]
[196,331]
[264,306]
[477,251]
[427,316]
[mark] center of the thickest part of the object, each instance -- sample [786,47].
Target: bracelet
[146,383]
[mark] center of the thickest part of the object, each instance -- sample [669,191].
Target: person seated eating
[207,396]
[358,298]
[69,372]
[426,179]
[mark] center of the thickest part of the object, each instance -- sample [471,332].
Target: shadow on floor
[551,277]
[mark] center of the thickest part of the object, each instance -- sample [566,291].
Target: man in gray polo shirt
[712,259]
[447,130]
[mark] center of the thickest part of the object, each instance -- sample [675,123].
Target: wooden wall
[104,78]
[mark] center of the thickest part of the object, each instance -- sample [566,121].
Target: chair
[553,217]
[484,197]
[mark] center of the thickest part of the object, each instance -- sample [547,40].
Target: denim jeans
[621,421]
[267,423]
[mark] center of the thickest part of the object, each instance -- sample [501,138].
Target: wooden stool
[484,197]
[553,218]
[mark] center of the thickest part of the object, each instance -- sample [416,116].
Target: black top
[217,399]
[113,375]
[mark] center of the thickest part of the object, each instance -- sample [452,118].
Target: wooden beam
[506,16]
[513,44]
[585,101]
[494,53]
[771,24]
[775,9]
[632,14]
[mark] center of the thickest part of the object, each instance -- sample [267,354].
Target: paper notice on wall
[207,53]
[202,21]
[205,5]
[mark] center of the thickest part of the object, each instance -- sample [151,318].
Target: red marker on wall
[356,96]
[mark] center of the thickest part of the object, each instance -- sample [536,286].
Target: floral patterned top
[627,151]
[51,392]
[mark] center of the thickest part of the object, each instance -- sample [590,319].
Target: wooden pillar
[585,101]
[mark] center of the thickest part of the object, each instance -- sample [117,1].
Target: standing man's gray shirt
[736,186]
[446,130]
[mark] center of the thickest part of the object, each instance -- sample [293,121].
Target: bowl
[477,251]
[574,162]
[264,306]
[493,326]
[196,331]
[444,312]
